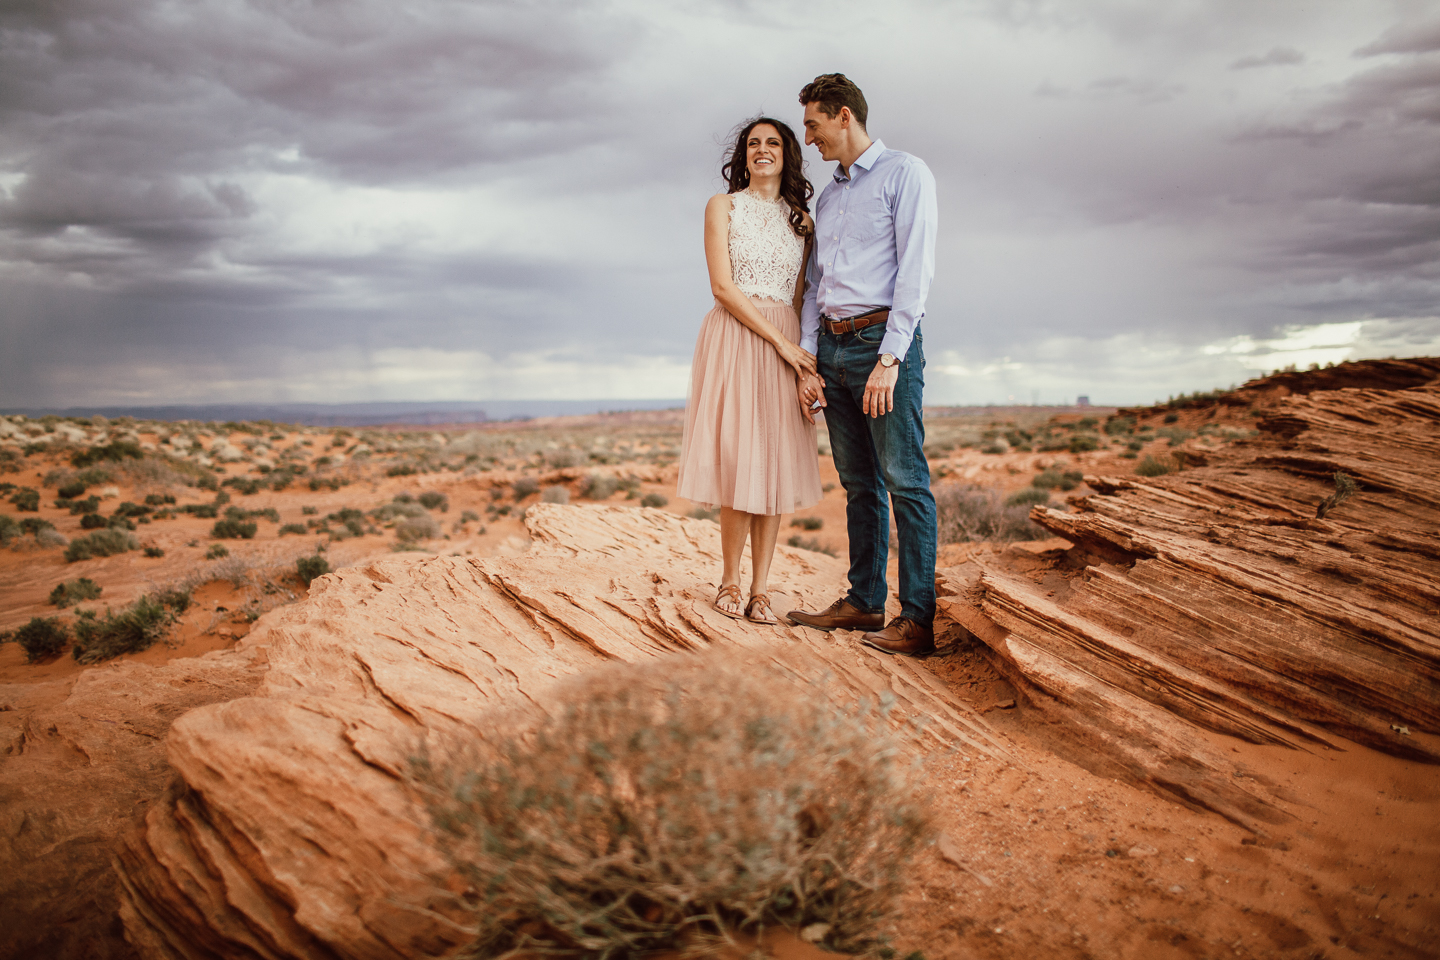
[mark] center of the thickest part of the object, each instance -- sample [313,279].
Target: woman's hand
[801,360]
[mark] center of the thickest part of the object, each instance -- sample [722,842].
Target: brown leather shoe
[902,636]
[840,615]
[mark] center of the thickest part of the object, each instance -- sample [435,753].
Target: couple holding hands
[811,314]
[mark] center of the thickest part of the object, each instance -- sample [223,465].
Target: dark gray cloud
[267,197]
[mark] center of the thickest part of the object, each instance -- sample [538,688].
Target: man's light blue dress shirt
[874,246]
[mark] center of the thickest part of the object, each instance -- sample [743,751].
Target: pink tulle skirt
[746,443]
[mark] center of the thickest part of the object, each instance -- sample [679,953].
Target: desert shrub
[523,488]
[95,476]
[114,452]
[1172,417]
[153,551]
[42,638]
[969,513]
[74,591]
[309,511]
[120,523]
[1120,426]
[469,516]
[1176,435]
[401,470]
[673,797]
[994,446]
[599,486]
[70,491]
[90,504]
[1153,467]
[311,567]
[159,499]
[556,494]
[705,513]
[245,486]
[9,461]
[435,500]
[101,543]
[27,499]
[807,523]
[417,528]
[216,551]
[329,483]
[35,526]
[93,521]
[9,529]
[129,630]
[1028,497]
[293,528]
[812,544]
[1082,442]
[232,529]
[561,459]
[1054,478]
[128,509]
[177,598]
[654,500]
[1344,490]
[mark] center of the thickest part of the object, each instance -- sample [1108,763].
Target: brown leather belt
[864,320]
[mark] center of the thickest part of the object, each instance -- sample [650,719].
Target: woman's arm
[717,259]
[809,387]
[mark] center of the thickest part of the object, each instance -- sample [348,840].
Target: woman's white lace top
[765,254]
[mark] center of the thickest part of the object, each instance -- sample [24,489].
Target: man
[867,278]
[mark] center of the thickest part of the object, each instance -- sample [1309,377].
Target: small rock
[815,932]
[1176,888]
[1141,850]
[1005,705]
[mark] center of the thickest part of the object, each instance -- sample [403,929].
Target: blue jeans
[878,455]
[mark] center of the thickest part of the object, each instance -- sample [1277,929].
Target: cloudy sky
[347,200]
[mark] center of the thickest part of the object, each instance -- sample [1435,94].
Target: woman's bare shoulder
[721,201]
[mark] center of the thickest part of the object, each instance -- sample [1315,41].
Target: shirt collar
[865,161]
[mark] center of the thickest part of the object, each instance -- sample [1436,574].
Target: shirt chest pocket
[871,219]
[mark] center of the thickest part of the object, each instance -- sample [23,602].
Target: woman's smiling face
[764,152]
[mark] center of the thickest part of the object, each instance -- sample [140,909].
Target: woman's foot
[758,610]
[727,601]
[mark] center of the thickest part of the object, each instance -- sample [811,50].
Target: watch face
[887,359]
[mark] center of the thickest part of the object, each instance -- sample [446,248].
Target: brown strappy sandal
[731,593]
[761,601]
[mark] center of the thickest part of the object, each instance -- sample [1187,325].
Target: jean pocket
[871,335]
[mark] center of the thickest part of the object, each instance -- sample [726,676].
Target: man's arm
[809,310]
[916,219]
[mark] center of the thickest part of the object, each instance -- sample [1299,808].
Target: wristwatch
[887,360]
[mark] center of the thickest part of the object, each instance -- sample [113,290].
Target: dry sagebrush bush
[677,799]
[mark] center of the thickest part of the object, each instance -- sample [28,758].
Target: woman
[749,445]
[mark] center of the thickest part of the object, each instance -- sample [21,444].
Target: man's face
[826,133]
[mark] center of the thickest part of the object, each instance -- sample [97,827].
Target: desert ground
[1053,839]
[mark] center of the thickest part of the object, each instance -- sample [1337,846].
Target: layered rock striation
[1214,601]
[290,830]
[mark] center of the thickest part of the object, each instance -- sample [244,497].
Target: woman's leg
[734,527]
[764,531]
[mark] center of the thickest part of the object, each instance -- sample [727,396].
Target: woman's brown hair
[795,190]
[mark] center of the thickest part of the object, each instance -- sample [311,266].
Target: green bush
[231,529]
[469,516]
[101,543]
[1152,467]
[216,551]
[1083,442]
[1176,435]
[90,504]
[153,551]
[159,499]
[598,486]
[523,488]
[1054,478]
[703,513]
[9,529]
[1028,497]
[114,452]
[74,591]
[71,490]
[807,523]
[130,630]
[1172,417]
[128,509]
[93,521]
[27,499]
[309,511]
[556,494]
[1120,426]
[292,528]
[654,500]
[42,638]
[311,567]
[412,529]
[434,500]
[671,797]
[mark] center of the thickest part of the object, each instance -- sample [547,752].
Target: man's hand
[880,390]
[810,389]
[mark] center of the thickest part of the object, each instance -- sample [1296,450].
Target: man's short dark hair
[833,91]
